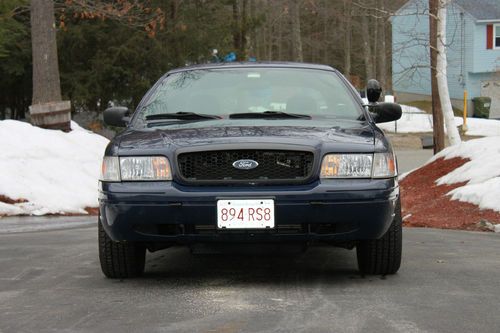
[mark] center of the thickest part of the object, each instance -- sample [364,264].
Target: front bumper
[327,210]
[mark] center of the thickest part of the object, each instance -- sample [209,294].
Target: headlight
[136,168]
[384,165]
[347,166]
[110,170]
[378,165]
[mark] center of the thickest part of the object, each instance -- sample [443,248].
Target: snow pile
[387,98]
[415,120]
[482,172]
[54,172]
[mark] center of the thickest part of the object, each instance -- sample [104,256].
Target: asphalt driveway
[50,281]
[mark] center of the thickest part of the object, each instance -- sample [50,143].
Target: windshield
[225,92]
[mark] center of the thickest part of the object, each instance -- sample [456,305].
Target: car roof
[253,64]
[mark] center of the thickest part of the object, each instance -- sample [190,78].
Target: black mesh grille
[275,166]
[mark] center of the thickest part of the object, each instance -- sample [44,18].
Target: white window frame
[495,47]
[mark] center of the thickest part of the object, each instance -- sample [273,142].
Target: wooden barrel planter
[55,115]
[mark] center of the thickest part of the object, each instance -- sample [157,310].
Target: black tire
[120,260]
[383,256]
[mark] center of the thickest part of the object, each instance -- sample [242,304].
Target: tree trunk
[325,35]
[437,115]
[382,56]
[240,25]
[174,10]
[442,79]
[367,50]
[47,109]
[348,36]
[236,25]
[297,54]
[46,85]
[373,24]
[244,31]
[252,45]
[279,41]
[271,32]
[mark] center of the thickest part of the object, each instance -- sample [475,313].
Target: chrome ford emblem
[245,164]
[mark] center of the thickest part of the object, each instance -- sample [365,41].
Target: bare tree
[382,52]
[437,115]
[348,37]
[435,42]
[240,23]
[47,108]
[367,49]
[297,54]
[46,85]
[442,78]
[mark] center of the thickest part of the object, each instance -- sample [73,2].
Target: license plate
[245,214]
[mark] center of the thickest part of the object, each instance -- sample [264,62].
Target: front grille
[275,166]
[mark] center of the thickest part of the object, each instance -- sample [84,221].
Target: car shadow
[258,266]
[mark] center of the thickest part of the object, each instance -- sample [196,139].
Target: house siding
[459,37]
[410,54]
[485,60]
[469,62]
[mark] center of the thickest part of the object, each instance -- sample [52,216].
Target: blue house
[473,40]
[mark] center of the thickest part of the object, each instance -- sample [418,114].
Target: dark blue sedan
[251,152]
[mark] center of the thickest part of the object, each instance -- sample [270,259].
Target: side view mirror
[385,112]
[373,91]
[116,116]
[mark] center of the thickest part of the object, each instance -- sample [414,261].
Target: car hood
[346,134]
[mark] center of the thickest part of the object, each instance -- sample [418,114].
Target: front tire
[383,256]
[120,260]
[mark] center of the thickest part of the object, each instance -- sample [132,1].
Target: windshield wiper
[268,115]
[182,116]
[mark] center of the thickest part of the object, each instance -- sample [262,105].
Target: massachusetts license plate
[245,214]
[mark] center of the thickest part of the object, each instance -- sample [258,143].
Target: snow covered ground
[481,173]
[54,172]
[415,120]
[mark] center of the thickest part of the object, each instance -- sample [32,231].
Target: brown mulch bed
[11,201]
[425,204]
[93,211]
